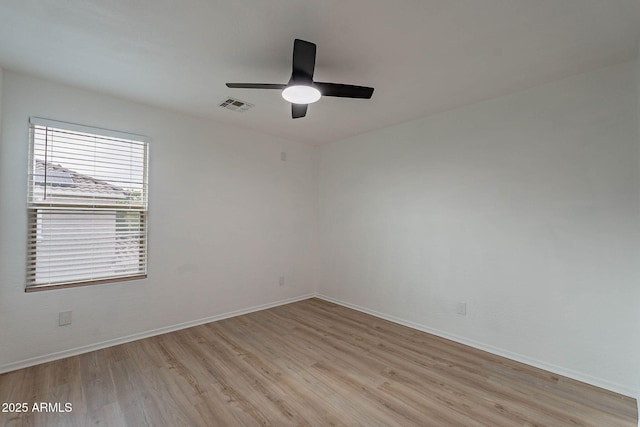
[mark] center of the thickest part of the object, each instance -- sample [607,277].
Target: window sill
[38,288]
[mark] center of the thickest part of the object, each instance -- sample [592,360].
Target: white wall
[637,339]
[1,100]
[525,207]
[227,218]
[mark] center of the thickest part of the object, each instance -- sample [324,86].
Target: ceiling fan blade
[298,110]
[344,91]
[304,60]
[257,85]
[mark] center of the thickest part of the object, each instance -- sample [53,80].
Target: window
[87,205]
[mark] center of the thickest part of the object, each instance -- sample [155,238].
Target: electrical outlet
[64,318]
[462,308]
[281,280]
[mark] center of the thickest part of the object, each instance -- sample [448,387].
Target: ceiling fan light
[301,94]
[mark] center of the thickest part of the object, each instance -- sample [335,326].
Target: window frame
[37,209]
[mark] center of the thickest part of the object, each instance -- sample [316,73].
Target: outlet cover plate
[461,309]
[64,318]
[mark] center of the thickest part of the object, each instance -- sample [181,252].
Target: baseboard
[146,334]
[579,376]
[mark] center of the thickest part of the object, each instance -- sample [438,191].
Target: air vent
[235,105]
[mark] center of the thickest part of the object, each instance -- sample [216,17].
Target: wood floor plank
[310,363]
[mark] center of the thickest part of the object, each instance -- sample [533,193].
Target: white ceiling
[422,56]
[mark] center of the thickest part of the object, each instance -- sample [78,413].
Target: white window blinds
[87,205]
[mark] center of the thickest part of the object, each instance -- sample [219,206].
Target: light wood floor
[307,363]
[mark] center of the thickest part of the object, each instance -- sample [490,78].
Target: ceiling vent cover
[235,105]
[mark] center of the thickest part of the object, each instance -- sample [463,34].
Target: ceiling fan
[302,90]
